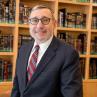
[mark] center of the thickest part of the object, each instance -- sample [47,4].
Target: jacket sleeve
[71,79]
[15,90]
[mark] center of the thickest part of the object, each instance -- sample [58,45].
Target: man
[54,71]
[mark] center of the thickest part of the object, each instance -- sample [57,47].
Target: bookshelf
[81,9]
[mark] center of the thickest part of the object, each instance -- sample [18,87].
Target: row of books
[6,43]
[83,0]
[24,39]
[93,45]
[5,70]
[82,66]
[71,19]
[24,12]
[78,42]
[93,69]
[94,1]
[94,21]
[7,11]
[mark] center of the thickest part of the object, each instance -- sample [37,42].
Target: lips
[41,31]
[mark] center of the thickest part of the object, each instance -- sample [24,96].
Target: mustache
[37,31]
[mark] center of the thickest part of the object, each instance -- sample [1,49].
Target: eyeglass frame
[39,20]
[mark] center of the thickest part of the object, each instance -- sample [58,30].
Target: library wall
[77,26]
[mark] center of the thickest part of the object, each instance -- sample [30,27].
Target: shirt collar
[44,46]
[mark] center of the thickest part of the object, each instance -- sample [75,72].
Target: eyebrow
[41,17]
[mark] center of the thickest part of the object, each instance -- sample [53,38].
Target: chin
[43,40]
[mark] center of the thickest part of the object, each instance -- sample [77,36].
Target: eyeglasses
[44,20]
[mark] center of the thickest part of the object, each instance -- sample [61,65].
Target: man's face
[42,32]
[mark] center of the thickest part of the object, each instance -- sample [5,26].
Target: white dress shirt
[42,49]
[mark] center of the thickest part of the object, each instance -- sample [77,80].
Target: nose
[40,25]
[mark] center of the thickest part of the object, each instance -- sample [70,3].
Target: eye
[45,20]
[33,20]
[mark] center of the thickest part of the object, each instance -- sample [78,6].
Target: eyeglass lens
[44,20]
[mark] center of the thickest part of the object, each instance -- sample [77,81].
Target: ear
[55,23]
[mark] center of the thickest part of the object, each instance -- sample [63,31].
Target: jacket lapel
[26,55]
[47,57]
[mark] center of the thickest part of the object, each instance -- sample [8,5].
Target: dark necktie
[32,63]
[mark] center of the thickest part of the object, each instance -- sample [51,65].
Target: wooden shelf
[71,29]
[49,0]
[6,25]
[93,56]
[5,83]
[90,81]
[23,26]
[39,1]
[82,56]
[6,53]
[74,3]
[94,4]
[94,30]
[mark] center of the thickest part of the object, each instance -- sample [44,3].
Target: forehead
[40,13]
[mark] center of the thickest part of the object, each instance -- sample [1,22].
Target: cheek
[32,29]
[32,26]
[51,28]
[32,32]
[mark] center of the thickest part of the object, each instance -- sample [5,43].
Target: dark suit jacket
[57,75]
